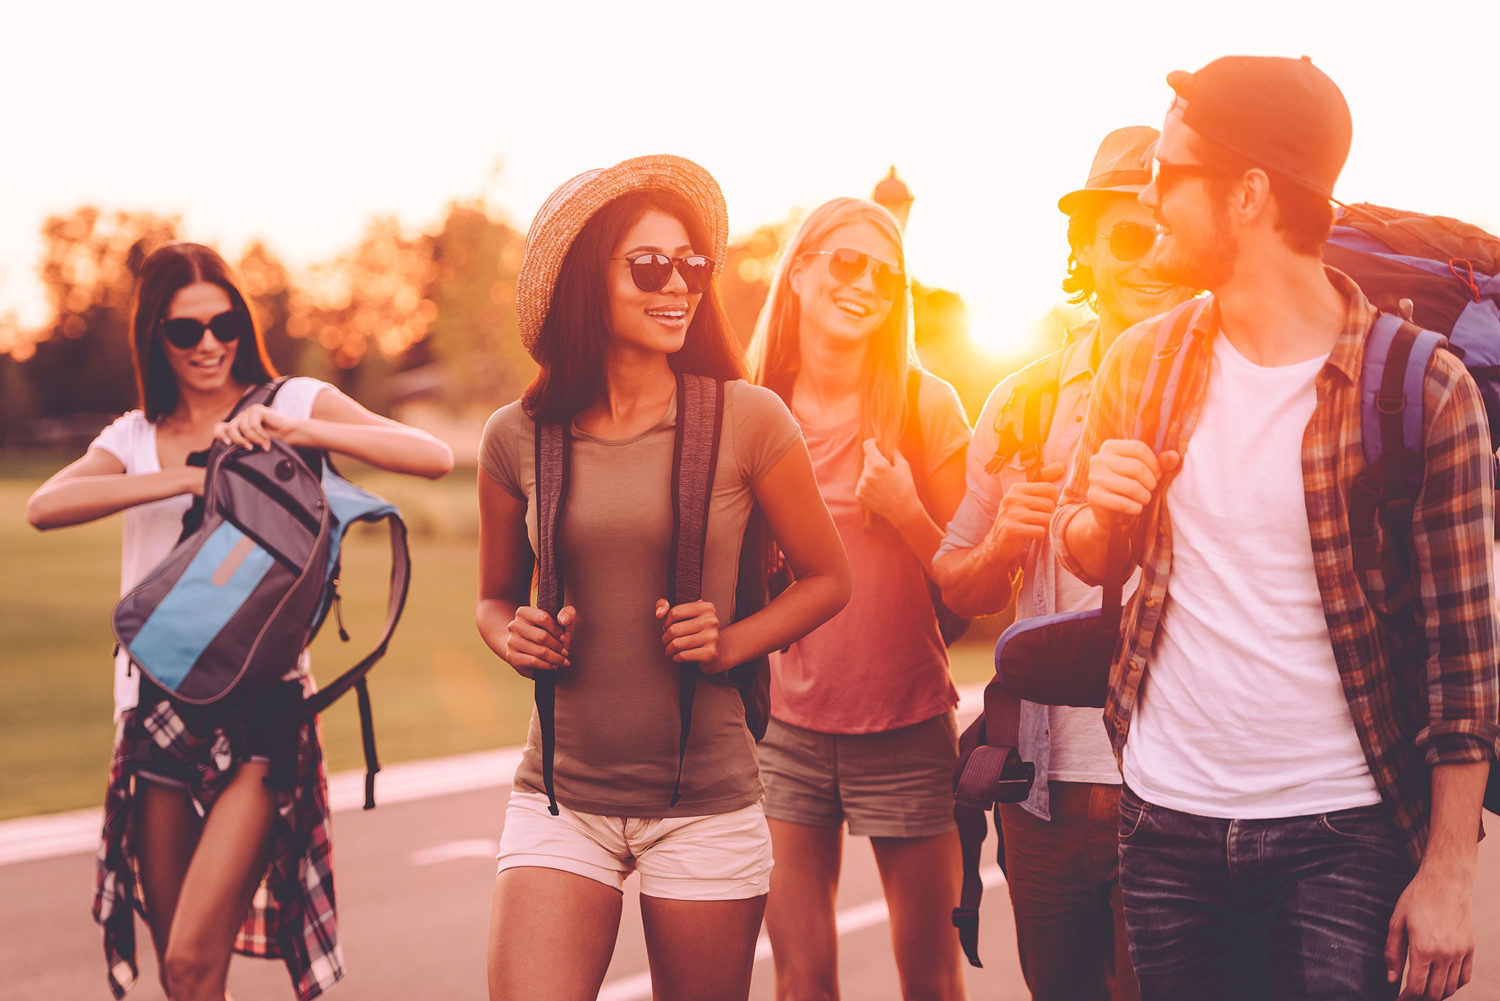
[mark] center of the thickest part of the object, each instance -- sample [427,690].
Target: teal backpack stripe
[197,609]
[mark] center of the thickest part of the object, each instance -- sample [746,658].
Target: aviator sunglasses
[1129,241]
[651,272]
[845,265]
[185,332]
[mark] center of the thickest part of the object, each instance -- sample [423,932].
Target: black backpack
[695,458]
[231,607]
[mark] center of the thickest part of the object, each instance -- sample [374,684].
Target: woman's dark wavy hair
[171,268]
[1083,225]
[572,342]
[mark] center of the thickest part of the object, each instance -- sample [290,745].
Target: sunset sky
[296,121]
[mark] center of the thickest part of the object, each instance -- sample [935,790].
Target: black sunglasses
[1129,241]
[651,272]
[846,265]
[185,332]
[1166,175]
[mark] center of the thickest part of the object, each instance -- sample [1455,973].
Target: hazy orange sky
[297,121]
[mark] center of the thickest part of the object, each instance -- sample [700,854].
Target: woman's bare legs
[922,879]
[227,865]
[166,832]
[701,950]
[800,911]
[551,935]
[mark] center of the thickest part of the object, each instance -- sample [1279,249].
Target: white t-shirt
[1243,712]
[151,530]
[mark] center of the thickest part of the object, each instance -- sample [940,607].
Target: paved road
[414,882]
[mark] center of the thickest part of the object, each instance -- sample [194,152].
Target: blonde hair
[775,351]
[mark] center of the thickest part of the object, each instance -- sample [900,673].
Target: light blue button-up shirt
[1046,587]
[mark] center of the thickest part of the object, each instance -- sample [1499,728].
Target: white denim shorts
[723,856]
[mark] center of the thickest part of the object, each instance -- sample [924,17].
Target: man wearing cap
[1060,845]
[1304,745]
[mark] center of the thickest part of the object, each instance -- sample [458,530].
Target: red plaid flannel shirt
[1438,705]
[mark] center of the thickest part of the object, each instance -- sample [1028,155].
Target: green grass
[438,691]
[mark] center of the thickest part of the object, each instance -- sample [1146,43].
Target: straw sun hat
[565,212]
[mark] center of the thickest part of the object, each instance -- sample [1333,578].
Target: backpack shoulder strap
[695,459]
[1166,375]
[1023,420]
[552,444]
[348,504]
[262,393]
[1393,377]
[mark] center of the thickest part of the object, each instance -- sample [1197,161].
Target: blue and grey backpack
[231,607]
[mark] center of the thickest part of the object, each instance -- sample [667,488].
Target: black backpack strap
[355,677]
[989,772]
[695,458]
[262,393]
[552,444]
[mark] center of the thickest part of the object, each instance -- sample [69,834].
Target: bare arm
[1122,477]
[97,485]
[523,636]
[889,489]
[799,521]
[339,424]
[1432,929]
[980,580]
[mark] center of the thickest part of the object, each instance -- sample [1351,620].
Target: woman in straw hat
[616,296]
[862,724]
[201,837]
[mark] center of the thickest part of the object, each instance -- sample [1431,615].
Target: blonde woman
[862,725]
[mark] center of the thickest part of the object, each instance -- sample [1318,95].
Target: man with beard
[1304,745]
[1060,845]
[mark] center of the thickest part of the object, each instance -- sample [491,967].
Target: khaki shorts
[894,784]
[724,856]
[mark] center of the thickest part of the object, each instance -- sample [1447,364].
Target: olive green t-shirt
[617,719]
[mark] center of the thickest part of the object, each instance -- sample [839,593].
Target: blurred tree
[749,265]
[88,267]
[475,342]
[373,297]
[263,278]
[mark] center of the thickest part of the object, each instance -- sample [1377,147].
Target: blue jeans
[1285,909]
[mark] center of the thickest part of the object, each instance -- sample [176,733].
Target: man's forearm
[975,581]
[1084,543]
[1457,800]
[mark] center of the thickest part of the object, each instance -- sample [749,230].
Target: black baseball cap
[1284,115]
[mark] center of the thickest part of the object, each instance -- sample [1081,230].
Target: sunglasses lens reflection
[1129,241]
[696,271]
[652,272]
[846,265]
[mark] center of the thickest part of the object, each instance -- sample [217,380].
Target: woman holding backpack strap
[618,302]
[189,807]
[862,725]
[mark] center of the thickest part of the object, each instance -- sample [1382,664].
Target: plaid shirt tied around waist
[292,915]
[1416,651]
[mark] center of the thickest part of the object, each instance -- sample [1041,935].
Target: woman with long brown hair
[618,300]
[195,837]
[862,726]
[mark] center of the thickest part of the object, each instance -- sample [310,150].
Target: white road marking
[447,851]
[637,986]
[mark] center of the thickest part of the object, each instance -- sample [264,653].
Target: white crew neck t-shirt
[1242,714]
[151,530]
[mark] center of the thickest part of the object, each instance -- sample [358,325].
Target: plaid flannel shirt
[1421,683]
[292,914]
